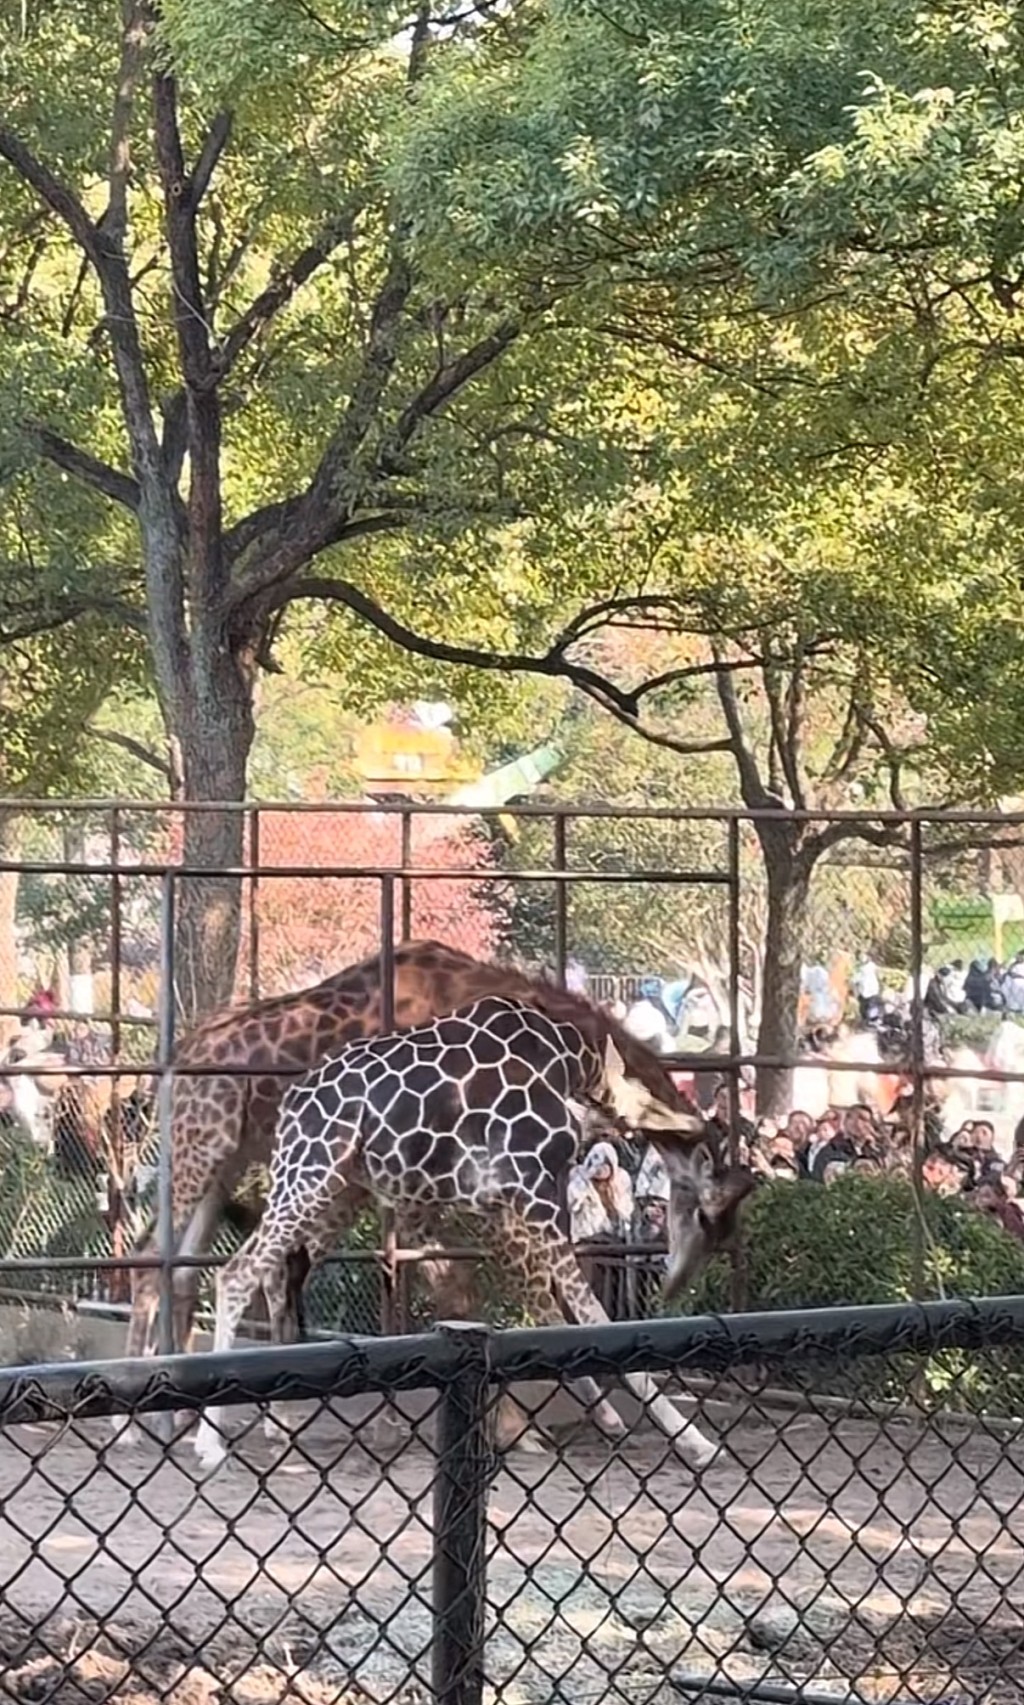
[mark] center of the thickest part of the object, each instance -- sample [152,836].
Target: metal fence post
[561,942]
[737,1256]
[254,904]
[461,1484]
[388,1229]
[120,1287]
[917,1048]
[406,857]
[165,1173]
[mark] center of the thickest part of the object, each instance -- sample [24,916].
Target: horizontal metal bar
[611,1252]
[764,1692]
[427,1361]
[724,1063]
[69,1015]
[431,808]
[721,1065]
[358,873]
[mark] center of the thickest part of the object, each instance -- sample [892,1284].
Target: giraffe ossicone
[477,1110]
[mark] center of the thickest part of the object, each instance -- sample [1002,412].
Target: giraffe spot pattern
[417,1118]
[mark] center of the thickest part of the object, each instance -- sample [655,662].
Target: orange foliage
[310,926]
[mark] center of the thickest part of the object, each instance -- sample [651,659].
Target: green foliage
[749,277]
[974,1030]
[41,1213]
[852,1244]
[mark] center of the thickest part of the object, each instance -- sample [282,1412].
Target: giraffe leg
[203,1172]
[454,1290]
[307,1221]
[520,1253]
[145,1304]
[261,1261]
[582,1306]
[286,1307]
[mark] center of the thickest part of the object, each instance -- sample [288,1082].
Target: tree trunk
[214,743]
[10,848]
[788,891]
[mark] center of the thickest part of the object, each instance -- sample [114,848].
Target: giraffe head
[703,1212]
[704,1197]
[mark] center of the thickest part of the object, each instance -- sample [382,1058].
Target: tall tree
[218,337]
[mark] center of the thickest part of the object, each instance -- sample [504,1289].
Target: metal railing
[394,884]
[380,1547]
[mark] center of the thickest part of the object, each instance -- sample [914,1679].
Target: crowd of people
[983,986]
[612,1202]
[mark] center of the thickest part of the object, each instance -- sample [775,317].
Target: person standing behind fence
[867,986]
[1013,984]
[600,1197]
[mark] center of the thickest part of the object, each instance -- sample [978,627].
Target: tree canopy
[660,358]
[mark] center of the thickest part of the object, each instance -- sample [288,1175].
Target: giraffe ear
[614,1064]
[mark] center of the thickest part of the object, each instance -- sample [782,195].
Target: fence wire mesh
[380,1547]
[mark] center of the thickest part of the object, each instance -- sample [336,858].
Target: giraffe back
[261,1048]
[475,1107]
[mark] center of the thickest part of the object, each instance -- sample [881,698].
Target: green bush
[44,1214]
[853,1243]
[973,1029]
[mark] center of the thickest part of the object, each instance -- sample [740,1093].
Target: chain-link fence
[377,1546]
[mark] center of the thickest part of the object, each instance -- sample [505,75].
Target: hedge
[853,1242]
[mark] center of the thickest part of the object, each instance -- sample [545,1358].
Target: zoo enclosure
[874,1545]
[654,857]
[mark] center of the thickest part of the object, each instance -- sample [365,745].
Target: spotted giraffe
[480,1110]
[232,1069]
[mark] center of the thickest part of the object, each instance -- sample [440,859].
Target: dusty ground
[125,1576]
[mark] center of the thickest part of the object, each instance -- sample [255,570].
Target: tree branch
[135,748]
[891,755]
[284,285]
[110,482]
[618,702]
[849,743]
[848,829]
[785,709]
[755,795]
[29,621]
[369,611]
[795,708]
[133,46]
[692,672]
[16,304]
[55,193]
[208,576]
[217,138]
[448,380]
[158,514]
[656,604]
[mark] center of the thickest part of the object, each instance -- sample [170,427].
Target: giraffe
[231,1070]
[482,1110]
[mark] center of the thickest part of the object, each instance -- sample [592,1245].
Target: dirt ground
[891,1557]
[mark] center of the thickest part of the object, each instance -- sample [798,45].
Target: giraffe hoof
[697,1451]
[211,1450]
[529,1443]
